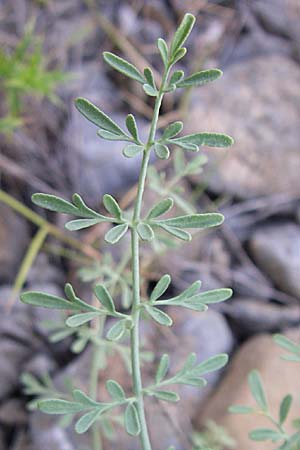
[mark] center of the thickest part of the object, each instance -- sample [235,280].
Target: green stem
[135,312]
[32,252]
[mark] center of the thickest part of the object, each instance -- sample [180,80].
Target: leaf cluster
[277,434]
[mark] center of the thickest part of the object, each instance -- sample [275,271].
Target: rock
[13,241]
[16,342]
[250,316]
[40,364]
[280,17]
[279,377]
[43,271]
[3,445]
[275,249]
[253,104]
[13,413]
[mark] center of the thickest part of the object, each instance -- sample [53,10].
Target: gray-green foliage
[87,410]
[277,433]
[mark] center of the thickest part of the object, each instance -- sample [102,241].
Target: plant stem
[135,312]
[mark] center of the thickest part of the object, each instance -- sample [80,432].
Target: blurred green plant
[23,74]
[126,322]
[278,433]
[212,437]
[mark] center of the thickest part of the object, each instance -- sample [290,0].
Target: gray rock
[13,413]
[14,238]
[3,445]
[275,249]
[252,103]
[250,316]
[16,342]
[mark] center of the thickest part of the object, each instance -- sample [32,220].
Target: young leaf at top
[132,127]
[257,390]
[132,422]
[96,116]
[179,54]
[112,206]
[116,233]
[160,208]
[182,33]
[115,390]
[123,66]
[160,287]
[161,151]
[163,50]
[131,150]
[105,298]
[200,78]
